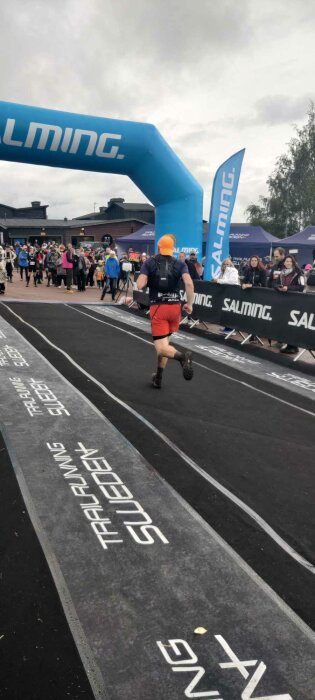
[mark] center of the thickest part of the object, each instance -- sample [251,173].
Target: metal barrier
[286,317]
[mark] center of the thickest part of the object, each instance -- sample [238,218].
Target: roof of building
[36,205]
[140,206]
[61,223]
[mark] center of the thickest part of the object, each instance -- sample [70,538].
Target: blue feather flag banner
[222,203]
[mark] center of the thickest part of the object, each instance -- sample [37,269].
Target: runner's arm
[142,281]
[189,289]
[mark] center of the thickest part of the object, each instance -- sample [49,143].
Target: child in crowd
[99,274]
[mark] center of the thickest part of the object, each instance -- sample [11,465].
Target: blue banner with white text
[222,203]
[48,137]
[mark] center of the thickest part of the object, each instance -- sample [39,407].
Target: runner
[162,274]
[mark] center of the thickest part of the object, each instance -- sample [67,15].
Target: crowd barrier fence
[287,317]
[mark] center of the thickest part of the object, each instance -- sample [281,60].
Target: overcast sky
[214,77]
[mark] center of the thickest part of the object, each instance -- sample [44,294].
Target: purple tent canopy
[305,237]
[250,234]
[145,233]
[143,240]
[245,240]
[303,242]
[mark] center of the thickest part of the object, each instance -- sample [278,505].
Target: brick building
[116,220]
[118,209]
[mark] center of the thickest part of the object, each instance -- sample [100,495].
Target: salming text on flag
[222,202]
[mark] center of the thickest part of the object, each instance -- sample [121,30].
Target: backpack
[51,262]
[165,281]
[311,279]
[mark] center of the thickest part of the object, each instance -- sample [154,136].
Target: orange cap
[166,244]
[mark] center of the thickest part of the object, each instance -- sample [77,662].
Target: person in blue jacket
[23,263]
[112,270]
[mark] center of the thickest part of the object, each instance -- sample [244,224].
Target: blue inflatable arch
[64,140]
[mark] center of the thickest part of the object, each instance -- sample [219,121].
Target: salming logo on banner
[39,136]
[298,318]
[199,299]
[223,198]
[247,308]
[68,140]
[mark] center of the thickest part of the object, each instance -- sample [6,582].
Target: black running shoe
[156,381]
[186,363]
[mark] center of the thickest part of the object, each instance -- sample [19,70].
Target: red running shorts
[164,319]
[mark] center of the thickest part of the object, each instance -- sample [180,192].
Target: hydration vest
[163,279]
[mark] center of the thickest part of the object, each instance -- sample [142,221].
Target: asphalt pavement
[237,449]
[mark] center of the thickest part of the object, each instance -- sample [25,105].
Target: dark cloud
[186,67]
[199,133]
[274,110]
[281,109]
[176,30]
[118,53]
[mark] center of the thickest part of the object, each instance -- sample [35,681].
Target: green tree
[290,205]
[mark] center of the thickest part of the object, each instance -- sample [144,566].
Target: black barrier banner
[288,317]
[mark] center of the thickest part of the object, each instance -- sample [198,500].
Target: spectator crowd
[281,274]
[65,267]
[78,268]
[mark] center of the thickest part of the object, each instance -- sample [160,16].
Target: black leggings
[9,269]
[81,278]
[113,286]
[60,279]
[26,270]
[90,276]
[69,275]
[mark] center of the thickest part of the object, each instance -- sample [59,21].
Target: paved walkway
[17,291]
